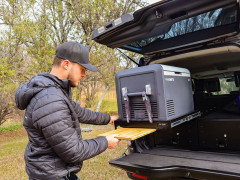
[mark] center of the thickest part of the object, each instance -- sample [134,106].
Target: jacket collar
[63,83]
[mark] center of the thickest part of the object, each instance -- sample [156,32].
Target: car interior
[216,94]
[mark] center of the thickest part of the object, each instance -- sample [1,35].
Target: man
[56,149]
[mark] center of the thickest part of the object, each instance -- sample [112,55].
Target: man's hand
[113,118]
[112,141]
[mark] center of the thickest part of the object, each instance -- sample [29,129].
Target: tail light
[139,176]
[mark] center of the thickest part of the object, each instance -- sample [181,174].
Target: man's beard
[72,84]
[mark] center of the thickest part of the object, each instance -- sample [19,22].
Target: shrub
[5,107]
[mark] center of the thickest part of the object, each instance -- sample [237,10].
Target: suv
[202,36]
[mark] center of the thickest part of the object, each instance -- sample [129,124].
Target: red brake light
[138,176]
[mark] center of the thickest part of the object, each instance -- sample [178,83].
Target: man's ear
[65,64]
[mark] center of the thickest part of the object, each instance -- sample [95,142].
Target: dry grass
[98,167]
[12,146]
[109,104]
[13,143]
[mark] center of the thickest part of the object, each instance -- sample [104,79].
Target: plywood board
[129,133]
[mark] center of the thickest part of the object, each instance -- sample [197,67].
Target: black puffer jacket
[52,119]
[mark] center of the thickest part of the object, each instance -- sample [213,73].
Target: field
[13,140]
[13,143]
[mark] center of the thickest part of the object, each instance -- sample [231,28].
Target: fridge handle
[145,98]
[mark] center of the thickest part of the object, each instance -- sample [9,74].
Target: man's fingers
[115,135]
[113,118]
[111,122]
[112,140]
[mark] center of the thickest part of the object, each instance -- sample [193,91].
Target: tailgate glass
[211,19]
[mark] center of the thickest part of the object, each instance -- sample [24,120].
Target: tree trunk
[90,127]
[102,97]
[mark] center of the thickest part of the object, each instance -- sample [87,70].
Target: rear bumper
[175,172]
[172,163]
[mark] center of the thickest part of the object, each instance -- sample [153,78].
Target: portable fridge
[154,93]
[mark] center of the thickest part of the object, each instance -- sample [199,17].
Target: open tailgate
[146,30]
[161,163]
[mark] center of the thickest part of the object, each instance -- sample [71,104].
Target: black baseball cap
[75,52]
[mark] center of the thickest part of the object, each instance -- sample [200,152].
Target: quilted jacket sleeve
[52,117]
[87,116]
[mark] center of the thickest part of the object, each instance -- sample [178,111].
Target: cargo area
[217,128]
[173,162]
[216,98]
[206,147]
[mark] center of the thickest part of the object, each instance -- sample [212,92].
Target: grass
[13,141]
[109,107]
[10,126]
[12,166]
[98,167]
[109,103]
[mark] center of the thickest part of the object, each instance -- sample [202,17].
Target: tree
[89,16]
[33,30]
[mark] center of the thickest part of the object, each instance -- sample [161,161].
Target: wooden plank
[129,133]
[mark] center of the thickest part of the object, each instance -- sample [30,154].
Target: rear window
[211,19]
[228,85]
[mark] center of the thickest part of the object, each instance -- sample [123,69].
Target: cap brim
[89,67]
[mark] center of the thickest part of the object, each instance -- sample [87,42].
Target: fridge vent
[170,108]
[140,106]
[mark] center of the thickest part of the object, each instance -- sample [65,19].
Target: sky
[152,1]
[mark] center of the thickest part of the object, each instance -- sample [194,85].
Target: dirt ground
[9,135]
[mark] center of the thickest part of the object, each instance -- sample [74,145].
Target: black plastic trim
[174,172]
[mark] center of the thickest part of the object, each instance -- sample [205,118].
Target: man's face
[76,73]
